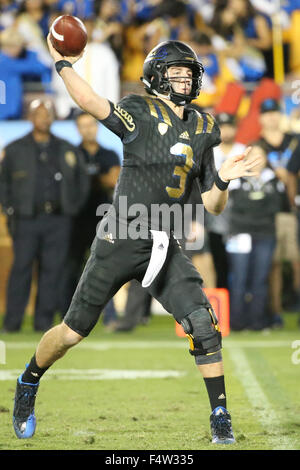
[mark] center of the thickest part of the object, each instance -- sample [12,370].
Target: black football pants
[178,286]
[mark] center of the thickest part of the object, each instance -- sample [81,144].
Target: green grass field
[141,390]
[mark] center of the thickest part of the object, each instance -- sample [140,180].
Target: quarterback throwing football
[167,145]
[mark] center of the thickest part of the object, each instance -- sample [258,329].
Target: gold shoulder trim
[158,110]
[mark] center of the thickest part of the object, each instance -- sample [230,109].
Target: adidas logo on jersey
[184,135]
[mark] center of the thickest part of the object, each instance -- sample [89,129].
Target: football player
[166,147]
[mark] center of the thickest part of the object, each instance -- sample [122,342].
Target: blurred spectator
[269,8]
[218,226]
[202,45]
[206,8]
[137,308]
[201,257]
[103,168]
[291,5]
[175,12]
[239,40]
[253,202]
[138,11]
[293,168]
[43,184]
[134,52]
[33,23]
[16,62]
[81,8]
[98,66]
[281,148]
[108,27]
[255,26]
[256,33]
[168,20]
[8,11]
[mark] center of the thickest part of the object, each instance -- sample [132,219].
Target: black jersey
[163,154]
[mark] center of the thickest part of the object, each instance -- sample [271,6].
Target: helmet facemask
[161,85]
[195,80]
[155,71]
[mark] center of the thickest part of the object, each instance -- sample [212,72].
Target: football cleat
[24,421]
[221,429]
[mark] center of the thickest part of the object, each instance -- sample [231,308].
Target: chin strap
[178,100]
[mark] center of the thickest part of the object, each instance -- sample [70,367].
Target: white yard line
[96,374]
[176,344]
[261,407]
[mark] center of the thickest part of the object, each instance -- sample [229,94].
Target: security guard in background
[103,168]
[43,183]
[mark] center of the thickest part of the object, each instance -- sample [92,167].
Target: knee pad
[203,332]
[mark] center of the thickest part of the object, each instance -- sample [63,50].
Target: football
[68,35]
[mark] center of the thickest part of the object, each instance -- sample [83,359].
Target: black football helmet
[157,62]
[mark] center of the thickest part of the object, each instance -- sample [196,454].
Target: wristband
[60,64]
[221,185]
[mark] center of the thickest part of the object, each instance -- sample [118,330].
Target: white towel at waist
[158,256]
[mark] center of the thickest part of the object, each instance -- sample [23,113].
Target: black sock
[216,391]
[33,372]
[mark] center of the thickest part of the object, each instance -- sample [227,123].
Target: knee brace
[204,335]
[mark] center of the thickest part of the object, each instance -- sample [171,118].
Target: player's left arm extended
[215,200]
[234,167]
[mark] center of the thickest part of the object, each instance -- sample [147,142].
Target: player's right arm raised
[79,89]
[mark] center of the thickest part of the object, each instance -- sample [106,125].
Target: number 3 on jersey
[185,151]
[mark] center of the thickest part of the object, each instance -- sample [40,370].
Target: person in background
[293,169]
[201,256]
[254,204]
[108,25]
[175,12]
[16,63]
[8,11]
[81,8]
[43,183]
[103,168]
[281,147]
[205,52]
[239,42]
[254,32]
[32,22]
[137,308]
[218,226]
[207,55]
